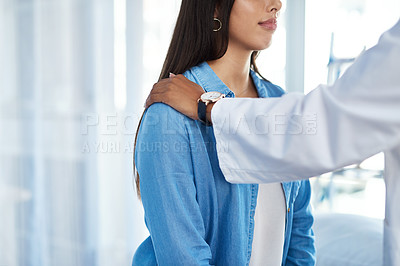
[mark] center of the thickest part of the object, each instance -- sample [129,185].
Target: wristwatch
[205,99]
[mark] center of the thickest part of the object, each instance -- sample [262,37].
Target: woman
[193,215]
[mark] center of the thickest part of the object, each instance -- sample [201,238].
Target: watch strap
[202,113]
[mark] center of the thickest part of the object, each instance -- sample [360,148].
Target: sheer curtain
[70,98]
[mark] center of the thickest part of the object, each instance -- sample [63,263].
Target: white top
[299,136]
[269,226]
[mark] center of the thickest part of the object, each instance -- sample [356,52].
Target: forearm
[302,248]
[177,237]
[336,126]
[168,192]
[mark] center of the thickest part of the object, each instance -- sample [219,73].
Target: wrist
[205,105]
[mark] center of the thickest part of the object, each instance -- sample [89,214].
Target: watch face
[212,95]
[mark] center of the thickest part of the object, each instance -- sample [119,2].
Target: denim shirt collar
[209,81]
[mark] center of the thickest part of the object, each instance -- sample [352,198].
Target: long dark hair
[194,41]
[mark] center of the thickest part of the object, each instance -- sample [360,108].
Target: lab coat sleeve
[392,212]
[296,136]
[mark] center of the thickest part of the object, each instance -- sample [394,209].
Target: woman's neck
[233,70]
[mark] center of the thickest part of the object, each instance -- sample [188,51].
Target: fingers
[154,91]
[153,98]
[174,85]
[160,89]
[159,92]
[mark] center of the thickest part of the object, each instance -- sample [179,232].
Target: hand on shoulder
[178,92]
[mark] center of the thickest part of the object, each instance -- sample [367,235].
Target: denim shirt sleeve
[168,191]
[301,249]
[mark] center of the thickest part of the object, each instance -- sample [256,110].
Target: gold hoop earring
[220,24]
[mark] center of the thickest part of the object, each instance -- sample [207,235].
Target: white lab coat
[297,136]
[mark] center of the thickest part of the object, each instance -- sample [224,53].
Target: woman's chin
[263,46]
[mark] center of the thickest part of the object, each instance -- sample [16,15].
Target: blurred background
[74,75]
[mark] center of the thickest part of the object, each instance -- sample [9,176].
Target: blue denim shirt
[194,216]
